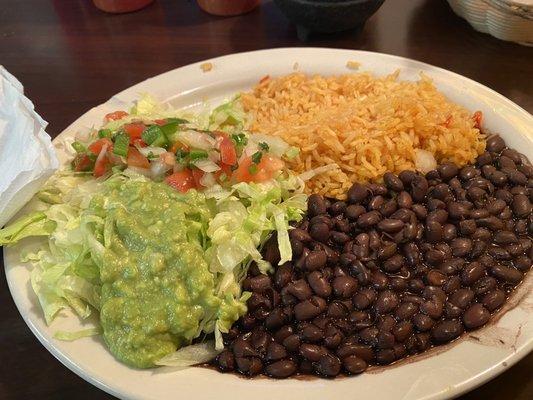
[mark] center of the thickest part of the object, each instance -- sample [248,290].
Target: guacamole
[157,291]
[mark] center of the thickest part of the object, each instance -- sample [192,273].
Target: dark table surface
[71,57]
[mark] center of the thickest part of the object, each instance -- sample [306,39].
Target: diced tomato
[224,169]
[266,169]
[139,142]
[136,159]
[478,119]
[160,121]
[181,181]
[178,145]
[228,155]
[82,162]
[134,131]
[115,115]
[96,147]
[100,167]
[197,175]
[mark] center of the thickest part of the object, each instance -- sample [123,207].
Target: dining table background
[71,57]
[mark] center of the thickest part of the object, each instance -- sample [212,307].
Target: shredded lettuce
[71,336]
[190,355]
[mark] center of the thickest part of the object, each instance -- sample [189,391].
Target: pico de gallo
[174,151]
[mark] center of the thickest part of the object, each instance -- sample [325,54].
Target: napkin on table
[27,156]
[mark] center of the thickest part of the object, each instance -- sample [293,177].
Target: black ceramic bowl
[327,16]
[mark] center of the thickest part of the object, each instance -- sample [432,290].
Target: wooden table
[71,57]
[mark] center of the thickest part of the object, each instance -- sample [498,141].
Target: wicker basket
[510,20]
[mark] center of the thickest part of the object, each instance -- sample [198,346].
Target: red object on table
[121,6]
[228,7]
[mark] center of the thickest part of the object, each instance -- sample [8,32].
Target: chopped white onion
[207,180]
[424,161]
[84,134]
[320,170]
[101,155]
[214,156]
[158,168]
[197,140]
[206,165]
[277,146]
[145,151]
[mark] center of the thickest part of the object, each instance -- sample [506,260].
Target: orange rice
[366,125]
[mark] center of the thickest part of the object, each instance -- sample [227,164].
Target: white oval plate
[447,373]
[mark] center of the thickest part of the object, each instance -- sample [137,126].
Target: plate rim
[464,386]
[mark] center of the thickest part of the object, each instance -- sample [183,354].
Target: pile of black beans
[396,269]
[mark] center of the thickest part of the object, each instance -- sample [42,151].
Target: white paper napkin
[27,157]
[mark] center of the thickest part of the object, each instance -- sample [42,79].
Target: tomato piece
[82,163]
[96,147]
[197,175]
[100,167]
[136,159]
[478,119]
[181,180]
[160,121]
[228,155]
[178,145]
[265,170]
[115,115]
[134,131]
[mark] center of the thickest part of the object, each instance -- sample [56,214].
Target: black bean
[386,301]
[406,310]
[468,172]
[319,284]
[275,351]
[309,309]
[319,231]
[354,365]
[521,206]
[339,237]
[316,205]
[258,283]
[390,225]
[422,322]
[337,208]
[249,365]
[315,260]
[312,333]
[433,231]
[357,193]
[299,289]
[420,211]
[353,211]
[393,182]
[461,247]
[282,333]
[328,365]
[312,352]
[419,188]
[226,361]
[484,285]
[275,319]
[462,297]
[281,369]
[522,263]
[368,219]
[475,316]
[300,235]
[506,274]
[499,253]
[484,159]
[336,309]
[398,284]
[495,144]
[447,171]
[364,298]
[292,343]
[344,286]
[243,348]
[446,331]
[493,299]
